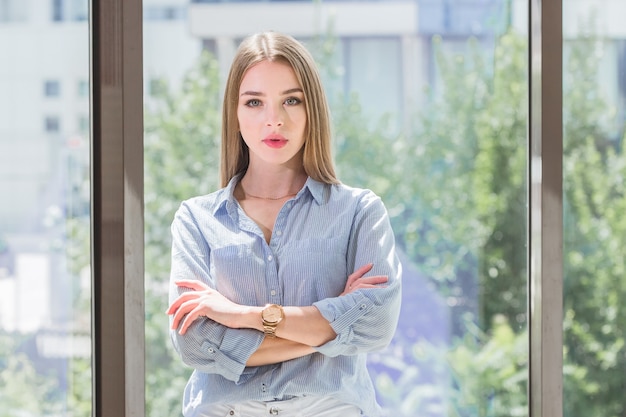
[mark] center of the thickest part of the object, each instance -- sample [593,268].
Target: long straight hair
[273,46]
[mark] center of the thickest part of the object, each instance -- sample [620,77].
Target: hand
[356,280]
[202,301]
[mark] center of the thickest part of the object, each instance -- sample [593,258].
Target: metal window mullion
[546,209]
[117,207]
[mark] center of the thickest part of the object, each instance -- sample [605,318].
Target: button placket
[272,282]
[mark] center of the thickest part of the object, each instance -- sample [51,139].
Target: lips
[275,141]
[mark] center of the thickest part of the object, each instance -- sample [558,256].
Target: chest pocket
[233,268]
[313,269]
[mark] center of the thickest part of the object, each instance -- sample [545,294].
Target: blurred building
[383,49]
[44,67]
[44,121]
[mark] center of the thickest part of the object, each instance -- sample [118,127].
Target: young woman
[283,280]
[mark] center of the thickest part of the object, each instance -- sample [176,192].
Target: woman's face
[272,114]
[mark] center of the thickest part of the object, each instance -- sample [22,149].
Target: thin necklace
[266,198]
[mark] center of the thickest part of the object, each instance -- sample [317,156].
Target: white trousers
[295,407]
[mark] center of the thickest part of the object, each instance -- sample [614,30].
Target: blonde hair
[273,46]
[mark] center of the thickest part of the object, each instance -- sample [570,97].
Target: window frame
[545,216]
[116,108]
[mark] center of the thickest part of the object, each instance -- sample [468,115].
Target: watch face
[272,314]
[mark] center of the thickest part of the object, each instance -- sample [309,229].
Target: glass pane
[45,324]
[594,165]
[429,103]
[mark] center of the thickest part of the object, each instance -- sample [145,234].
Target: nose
[275,116]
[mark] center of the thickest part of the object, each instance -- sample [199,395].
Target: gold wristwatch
[271,315]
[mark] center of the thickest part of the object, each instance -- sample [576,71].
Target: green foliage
[500,187]
[490,372]
[23,391]
[79,397]
[594,168]
[479,375]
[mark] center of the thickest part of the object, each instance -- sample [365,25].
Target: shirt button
[231,412]
[273,292]
[269,258]
[274,411]
[279,233]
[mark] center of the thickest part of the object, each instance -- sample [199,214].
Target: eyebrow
[259,94]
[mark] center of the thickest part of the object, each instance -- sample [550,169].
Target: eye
[253,102]
[293,101]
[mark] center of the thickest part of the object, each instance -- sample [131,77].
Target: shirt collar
[316,189]
[226,199]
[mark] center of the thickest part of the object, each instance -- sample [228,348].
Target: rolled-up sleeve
[206,346]
[365,320]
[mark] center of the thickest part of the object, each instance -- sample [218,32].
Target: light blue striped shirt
[320,236]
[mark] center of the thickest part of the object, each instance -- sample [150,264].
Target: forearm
[276,350]
[304,325]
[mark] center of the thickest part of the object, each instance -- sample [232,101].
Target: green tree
[458,201]
[594,167]
[23,391]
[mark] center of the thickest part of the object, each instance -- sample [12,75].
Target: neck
[269,185]
[248,196]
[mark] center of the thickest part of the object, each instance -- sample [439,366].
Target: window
[13,11]
[155,87]
[52,124]
[164,13]
[593,350]
[83,124]
[52,88]
[80,10]
[83,88]
[5,14]
[58,14]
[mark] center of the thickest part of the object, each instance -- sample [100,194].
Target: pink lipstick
[275,141]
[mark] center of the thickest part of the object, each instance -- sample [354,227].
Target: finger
[183,298]
[367,282]
[176,318]
[378,279]
[364,286]
[361,271]
[358,274]
[182,311]
[194,284]
[190,318]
